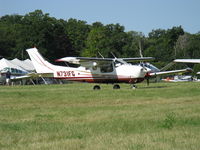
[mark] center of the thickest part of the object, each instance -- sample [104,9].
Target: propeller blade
[147,81]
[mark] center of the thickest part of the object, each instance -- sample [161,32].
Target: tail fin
[40,64]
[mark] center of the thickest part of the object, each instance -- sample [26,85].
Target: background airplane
[187,60]
[15,70]
[96,70]
[194,61]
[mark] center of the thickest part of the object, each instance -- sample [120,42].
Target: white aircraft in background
[194,61]
[179,78]
[187,60]
[96,70]
[15,71]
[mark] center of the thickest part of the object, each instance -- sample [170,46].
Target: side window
[106,67]
[94,67]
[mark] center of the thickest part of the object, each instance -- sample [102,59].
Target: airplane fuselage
[125,73]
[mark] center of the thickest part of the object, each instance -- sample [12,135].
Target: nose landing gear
[133,86]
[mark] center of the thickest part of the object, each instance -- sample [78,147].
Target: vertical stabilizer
[40,64]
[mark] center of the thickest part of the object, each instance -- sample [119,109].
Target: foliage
[57,38]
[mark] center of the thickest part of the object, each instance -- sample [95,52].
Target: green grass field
[163,116]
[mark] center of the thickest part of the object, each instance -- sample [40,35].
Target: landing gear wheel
[96,87]
[133,86]
[116,86]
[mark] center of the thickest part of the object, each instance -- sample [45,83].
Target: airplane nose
[145,70]
[148,69]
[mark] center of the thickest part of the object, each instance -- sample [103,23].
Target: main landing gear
[116,86]
[97,87]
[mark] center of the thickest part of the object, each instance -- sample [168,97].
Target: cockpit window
[117,63]
[150,66]
[106,67]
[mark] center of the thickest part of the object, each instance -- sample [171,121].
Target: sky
[135,15]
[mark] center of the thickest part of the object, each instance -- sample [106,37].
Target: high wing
[78,60]
[169,72]
[138,59]
[92,61]
[187,60]
[87,61]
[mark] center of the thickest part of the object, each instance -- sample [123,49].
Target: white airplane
[179,78]
[96,70]
[194,61]
[15,71]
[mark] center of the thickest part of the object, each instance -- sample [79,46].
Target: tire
[116,86]
[96,87]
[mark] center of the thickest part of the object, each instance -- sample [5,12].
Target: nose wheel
[133,86]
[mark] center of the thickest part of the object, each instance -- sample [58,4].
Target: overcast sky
[137,15]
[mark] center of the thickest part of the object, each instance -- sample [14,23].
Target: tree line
[56,38]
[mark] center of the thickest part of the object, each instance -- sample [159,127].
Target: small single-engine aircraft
[14,70]
[96,70]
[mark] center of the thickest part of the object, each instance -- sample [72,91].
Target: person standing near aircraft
[8,74]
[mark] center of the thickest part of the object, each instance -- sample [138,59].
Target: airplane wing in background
[31,75]
[187,60]
[170,72]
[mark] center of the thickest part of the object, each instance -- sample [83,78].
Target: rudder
[40,64]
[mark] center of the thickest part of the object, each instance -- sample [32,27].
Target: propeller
[147,77]
[147,81]
[142,63]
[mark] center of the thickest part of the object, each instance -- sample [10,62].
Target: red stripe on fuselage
[103,80]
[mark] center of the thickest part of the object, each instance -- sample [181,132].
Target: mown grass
[163,116]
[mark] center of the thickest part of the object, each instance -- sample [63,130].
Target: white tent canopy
[6,65]
[26,65]
[29,63]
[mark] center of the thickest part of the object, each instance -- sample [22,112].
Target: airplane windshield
[150,66]
[118,63]
[13,70]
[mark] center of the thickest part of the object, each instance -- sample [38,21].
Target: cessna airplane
[96,70]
